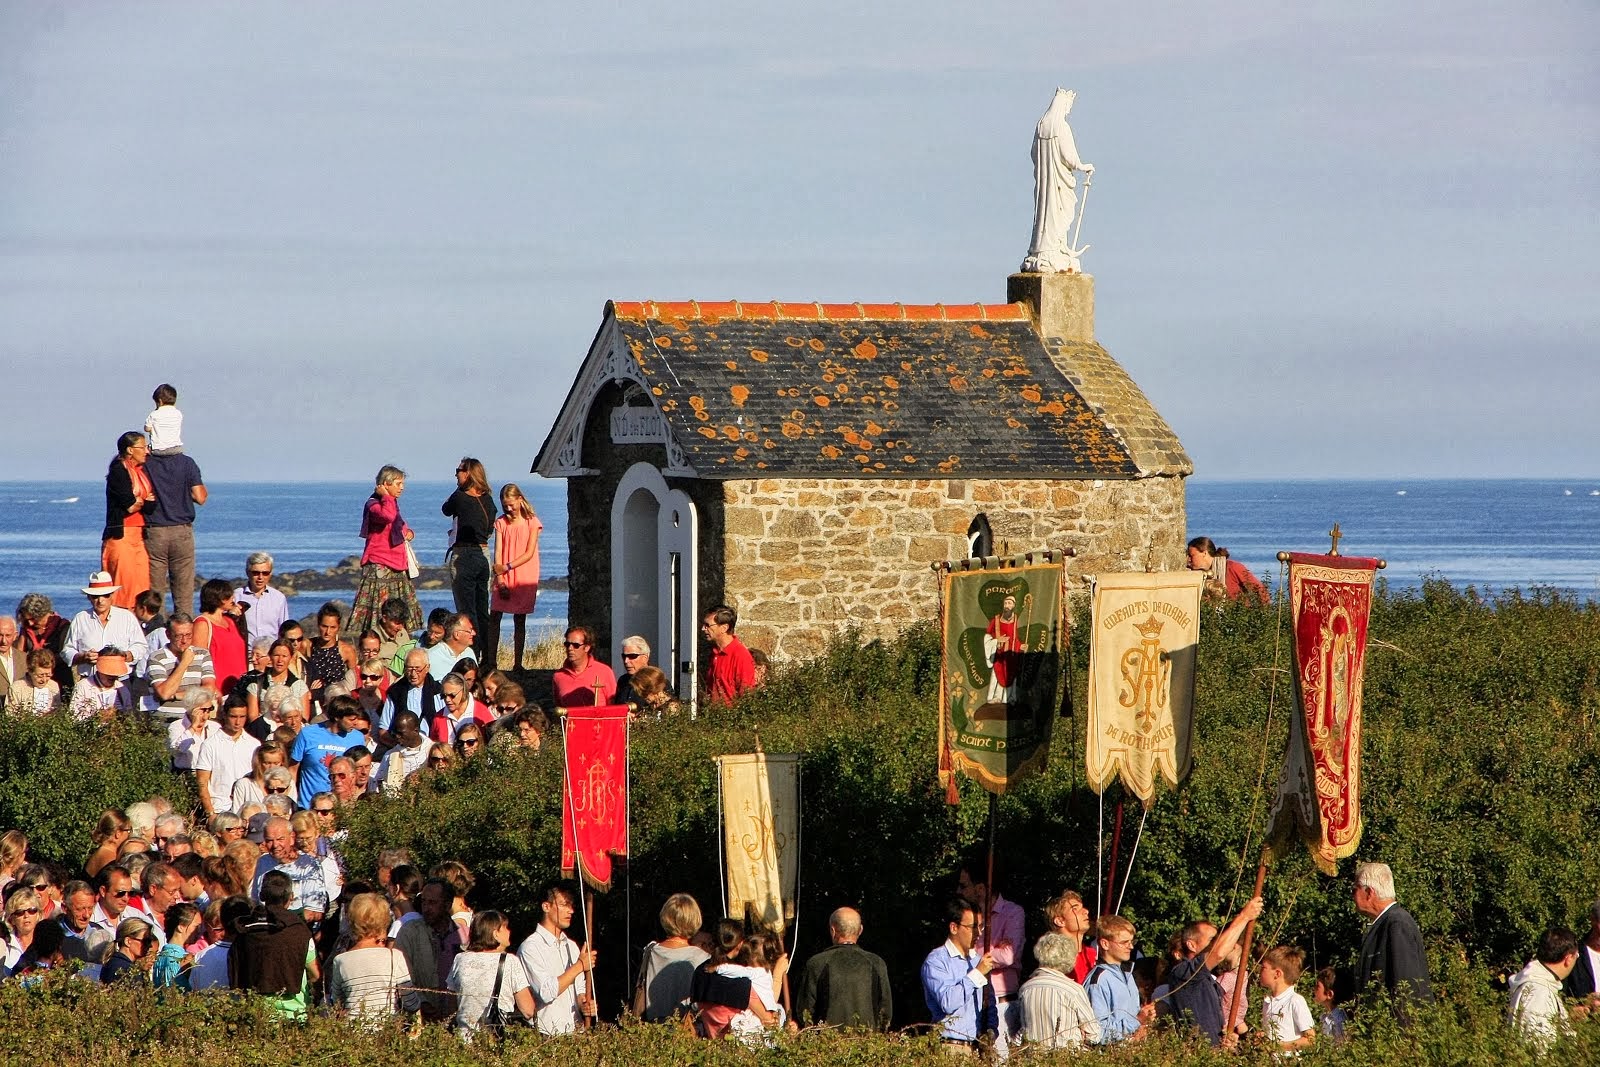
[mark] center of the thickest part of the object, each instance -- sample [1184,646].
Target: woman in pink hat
[129,498]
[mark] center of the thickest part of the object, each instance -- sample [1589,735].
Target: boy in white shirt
[164,426]
[1285,1017]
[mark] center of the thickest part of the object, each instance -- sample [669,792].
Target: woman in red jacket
[386,561]
[1225,577]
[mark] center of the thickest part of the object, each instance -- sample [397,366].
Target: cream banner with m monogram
[761,835]
[1146,632]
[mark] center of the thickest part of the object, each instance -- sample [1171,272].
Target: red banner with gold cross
[594,796]
[1319,793]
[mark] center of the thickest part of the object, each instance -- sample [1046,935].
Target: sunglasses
[453,697]
[507,709]
[469,742]
[122,893]
[633,655]
[372,677]
[575,644]
[323,811]
[206,707]
[284,789]
[25,911]
[437,761]
[259,574]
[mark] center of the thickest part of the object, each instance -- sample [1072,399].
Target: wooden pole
[1236,1005]
[988,883]
[1116,843]
[588,943]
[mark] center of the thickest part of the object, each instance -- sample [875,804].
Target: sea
[1493,535]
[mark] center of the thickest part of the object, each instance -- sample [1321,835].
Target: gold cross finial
[1336,534]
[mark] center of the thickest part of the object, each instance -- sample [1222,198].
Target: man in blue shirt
[318,745]
[955,976]
[169,529]
[1112,991]
[1196,996]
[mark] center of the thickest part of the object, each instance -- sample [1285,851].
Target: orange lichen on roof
[739,393]
[712,311]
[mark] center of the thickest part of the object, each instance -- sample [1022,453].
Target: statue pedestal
[1062,304]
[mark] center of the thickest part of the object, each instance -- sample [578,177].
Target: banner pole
[988,903]
[1236,1004]
[588,937]
[1116,843]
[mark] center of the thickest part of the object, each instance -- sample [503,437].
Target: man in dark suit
[844,984]
[1584,981]
[1392,955]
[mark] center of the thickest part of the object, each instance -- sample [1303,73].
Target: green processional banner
[1003,635]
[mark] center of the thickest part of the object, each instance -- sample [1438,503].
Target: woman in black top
[473,509]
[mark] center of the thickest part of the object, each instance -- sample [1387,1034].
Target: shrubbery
[58,775]
[1482,786]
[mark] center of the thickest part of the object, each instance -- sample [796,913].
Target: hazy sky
[1355,243]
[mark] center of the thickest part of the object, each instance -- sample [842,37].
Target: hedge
[1480,763]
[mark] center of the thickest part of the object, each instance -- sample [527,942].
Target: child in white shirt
[164,426]
[1285,1016]
[754,960]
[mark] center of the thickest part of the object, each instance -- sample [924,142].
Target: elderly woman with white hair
[1055,1010]
[199,722]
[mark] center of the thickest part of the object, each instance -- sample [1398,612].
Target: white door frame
[674,638]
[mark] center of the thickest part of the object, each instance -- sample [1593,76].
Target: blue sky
[1329,240]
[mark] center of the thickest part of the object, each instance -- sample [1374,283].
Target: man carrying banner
[1196,995]
[556,966]
[1005,943]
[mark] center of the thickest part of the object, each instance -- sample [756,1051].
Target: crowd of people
[284,727]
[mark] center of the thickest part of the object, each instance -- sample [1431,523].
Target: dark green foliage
[57,776]
[1482,789]
[1481,786]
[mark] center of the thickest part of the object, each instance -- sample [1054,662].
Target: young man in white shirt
[556,966]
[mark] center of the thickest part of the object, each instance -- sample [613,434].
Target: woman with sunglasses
[441,758]
[185,735]
[252,789]
[469,741]
[370,689]
[110,831]
[23,912]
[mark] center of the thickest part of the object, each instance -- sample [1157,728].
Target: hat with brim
[257,832]
[100,584]
[112,665]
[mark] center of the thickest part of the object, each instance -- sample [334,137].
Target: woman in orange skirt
[129,498]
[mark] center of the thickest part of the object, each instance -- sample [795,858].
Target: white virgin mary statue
[1055,198]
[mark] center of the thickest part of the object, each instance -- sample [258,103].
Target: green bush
[58,775]
[1480,771]
[75,1023]
[1481,774]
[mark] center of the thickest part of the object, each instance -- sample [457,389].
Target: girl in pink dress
[516,568]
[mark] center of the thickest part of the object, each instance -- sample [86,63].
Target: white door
[654,574]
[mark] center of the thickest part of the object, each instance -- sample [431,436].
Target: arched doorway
[654,574]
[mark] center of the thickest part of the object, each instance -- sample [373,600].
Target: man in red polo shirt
[583,681]
[732,670]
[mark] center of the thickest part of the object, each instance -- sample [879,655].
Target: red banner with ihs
[594,801]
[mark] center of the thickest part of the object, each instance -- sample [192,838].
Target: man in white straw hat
[100,625]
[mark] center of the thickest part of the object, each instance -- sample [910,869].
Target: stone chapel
[806,463]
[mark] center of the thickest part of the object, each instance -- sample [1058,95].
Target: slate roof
[877,391]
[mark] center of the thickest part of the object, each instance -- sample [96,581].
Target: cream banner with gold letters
[1146,631]
[761,835]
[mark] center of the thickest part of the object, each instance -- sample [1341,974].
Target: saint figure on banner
[1003,653]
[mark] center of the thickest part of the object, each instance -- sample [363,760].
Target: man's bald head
[845,926]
